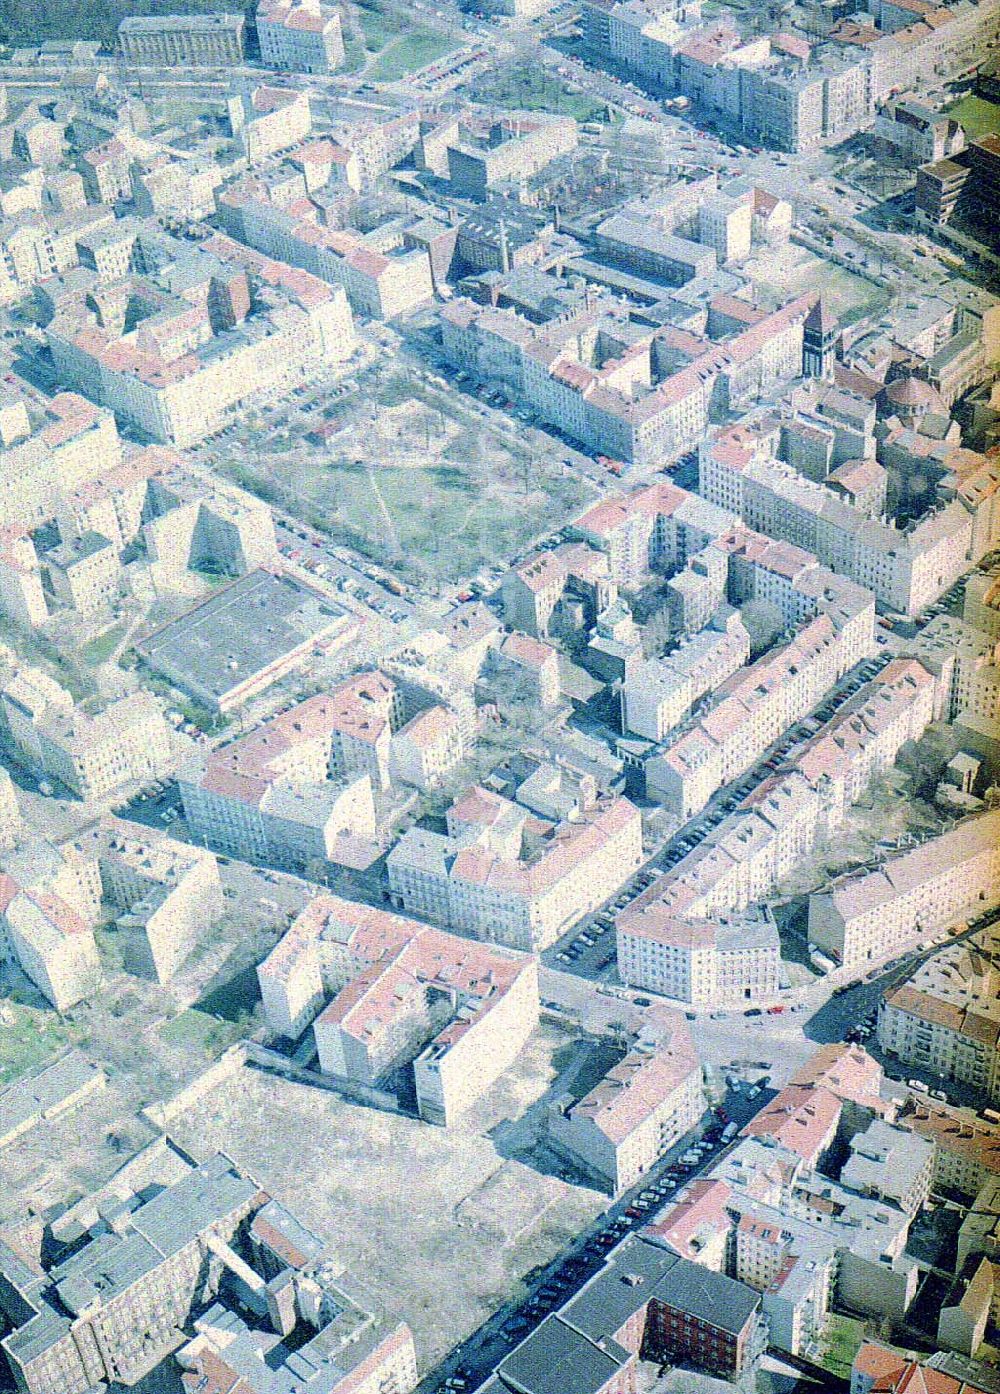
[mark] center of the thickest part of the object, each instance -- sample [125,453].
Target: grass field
[99,650]
[199,1031]
[978,116]
[407,54]
[28,1040]
[841,1340]
[779,273]
[424,484]
[533,89]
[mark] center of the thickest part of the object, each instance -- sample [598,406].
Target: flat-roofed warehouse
[244,637]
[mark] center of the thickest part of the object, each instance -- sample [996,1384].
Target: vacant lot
[978,116]
[779,273]
[372,1181]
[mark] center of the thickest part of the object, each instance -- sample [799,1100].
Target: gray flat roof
[241,630]
[155,24]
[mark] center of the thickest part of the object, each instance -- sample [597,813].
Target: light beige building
[401,992]
[44,454]
[84,573]
[95,756]
[428,747]
[946,1017]
[180,379]
[870,916]
[641,1107]
[22,598]
[183,41]
[966,1149]
[891,1164]
[163,894]
[506,877]
[299,787]
[49,941]
[300,36]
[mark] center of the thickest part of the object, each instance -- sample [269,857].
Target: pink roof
[800,1119]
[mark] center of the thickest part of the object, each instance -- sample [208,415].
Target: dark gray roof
[707,1295]
[558,1359]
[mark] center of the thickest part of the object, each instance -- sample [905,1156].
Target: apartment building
[428,747]
[867,733]
[516,147]
[183,41]
[506,876]
[695,934]
[382,991]
[300,787]
[596,375]
[163,894]
[182,368]
[300,36]
[878,1367]
[805,1240]
[724,960]
[965,660]
[95,756]
[656,529]
[644,1298]
[801,1120]
[906,571]
[946,1016]
[635,1113]
[981,607]
[43,455]
[966,1149]
[660,692]
[22,597]
[749,712]
[110,1307]
[869,916]
[891,1164]
[380,275]
[107,172]
[47,938]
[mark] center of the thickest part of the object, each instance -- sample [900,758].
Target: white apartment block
[750,711]
[482,880]
[380,277]
[43,457]
[635,1114]
[724,961]
[48,909]
[946,1017]
[300,36]
[302,782]
[872,916]
[94,756]
[966,1149]
[181,399]
[659,693]
[365,979]
[906,571]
